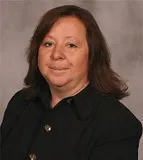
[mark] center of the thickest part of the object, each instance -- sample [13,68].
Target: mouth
[58,68]
[58,71]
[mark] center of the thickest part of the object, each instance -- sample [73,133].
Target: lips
[58,68]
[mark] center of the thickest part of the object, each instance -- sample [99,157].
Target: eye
[47,44]
[71,45]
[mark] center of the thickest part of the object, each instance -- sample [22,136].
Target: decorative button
[47,128]
[32,157]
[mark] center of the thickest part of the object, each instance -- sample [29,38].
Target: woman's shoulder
[17,103]
[22,96]
[15,108]
[17,99]
[110,106]
[116,120]
[18,96]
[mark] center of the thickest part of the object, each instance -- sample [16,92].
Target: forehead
[68,25]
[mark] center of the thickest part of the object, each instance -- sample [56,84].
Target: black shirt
[86,126]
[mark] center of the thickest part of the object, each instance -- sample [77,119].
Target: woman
[69,109]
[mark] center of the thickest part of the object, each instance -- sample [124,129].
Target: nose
[58,52]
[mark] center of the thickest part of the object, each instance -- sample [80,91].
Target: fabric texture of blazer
[87,126]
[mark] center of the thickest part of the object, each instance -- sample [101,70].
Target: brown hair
[100,72]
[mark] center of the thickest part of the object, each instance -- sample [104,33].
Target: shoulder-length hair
[100,72]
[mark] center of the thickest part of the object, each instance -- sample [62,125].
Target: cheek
[80,63]
[41,61]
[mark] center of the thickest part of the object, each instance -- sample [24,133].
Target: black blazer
[88,126]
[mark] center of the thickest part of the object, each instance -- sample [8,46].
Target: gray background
[120,21]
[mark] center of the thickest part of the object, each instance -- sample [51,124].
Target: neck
[59,93]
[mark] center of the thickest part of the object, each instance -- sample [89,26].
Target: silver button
[47,128]
[32,157]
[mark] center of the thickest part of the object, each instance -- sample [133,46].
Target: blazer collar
[84,103]
[87,101]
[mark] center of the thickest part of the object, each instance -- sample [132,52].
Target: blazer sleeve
[119,132]
[12,113]
[124,149]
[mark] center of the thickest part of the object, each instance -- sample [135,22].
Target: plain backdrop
[120,21]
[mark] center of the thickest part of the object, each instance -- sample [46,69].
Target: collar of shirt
[84,103]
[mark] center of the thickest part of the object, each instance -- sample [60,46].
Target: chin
[58,83]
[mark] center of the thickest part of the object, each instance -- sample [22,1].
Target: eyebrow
[75,39]
[69,37]
[48,36]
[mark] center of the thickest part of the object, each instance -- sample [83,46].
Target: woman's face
[63,54]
